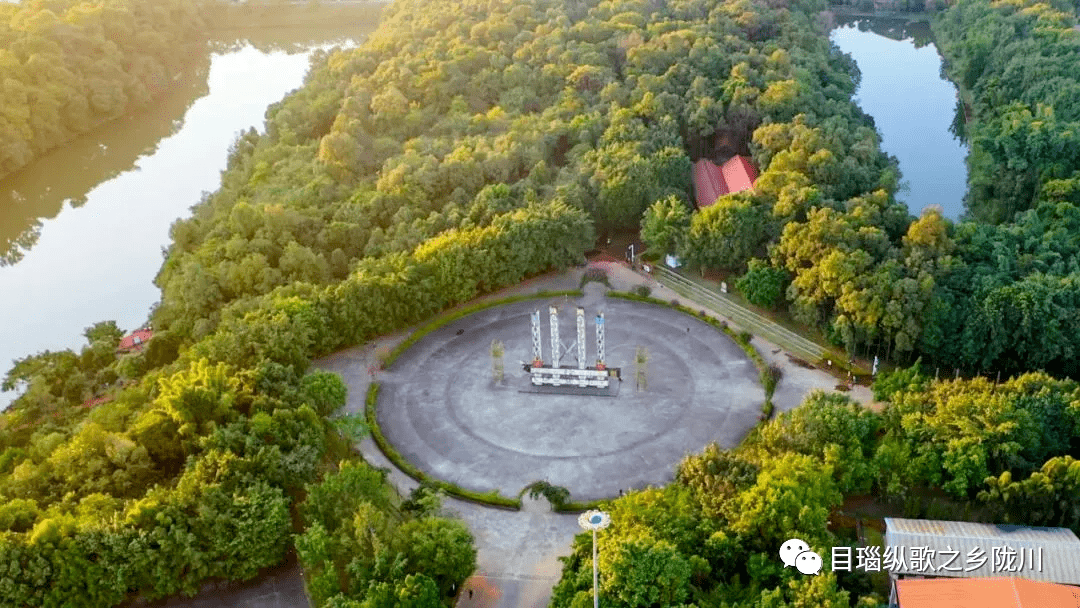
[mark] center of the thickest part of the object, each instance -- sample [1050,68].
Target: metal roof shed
[1044,554]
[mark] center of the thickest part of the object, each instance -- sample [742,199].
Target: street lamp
[594,520]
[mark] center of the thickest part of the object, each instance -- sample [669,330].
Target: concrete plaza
[441,408]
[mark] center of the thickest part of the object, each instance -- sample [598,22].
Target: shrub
[770,377]
[558,496]
[643,291]
[745,337]
[597,275]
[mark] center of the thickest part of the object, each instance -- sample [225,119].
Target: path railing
[747,319]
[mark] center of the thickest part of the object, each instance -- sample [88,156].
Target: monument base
[611,390]
[573,381]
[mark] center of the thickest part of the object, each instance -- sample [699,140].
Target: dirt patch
[799,362]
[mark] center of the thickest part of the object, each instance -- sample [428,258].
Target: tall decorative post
[594,520]
[581,338]
[641,361]
[600,341]
[497,352]
[538,354]
[554,320]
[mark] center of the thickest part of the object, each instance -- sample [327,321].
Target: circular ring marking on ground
[441,408]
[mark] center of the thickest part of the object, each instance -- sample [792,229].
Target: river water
[82,229]
[913,107]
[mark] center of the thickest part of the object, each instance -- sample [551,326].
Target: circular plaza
[441,406]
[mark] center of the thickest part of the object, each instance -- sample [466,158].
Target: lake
[913,106]
[82,229]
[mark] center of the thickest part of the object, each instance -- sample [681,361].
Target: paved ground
[440,406]
[517,551]
[798,379]
[280,587]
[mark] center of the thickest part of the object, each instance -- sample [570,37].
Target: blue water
[913,107]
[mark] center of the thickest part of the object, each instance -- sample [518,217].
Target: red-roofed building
[984,593]
[135,341]
[712,181]
[97,401]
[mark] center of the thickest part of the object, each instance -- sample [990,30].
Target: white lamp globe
[594,520]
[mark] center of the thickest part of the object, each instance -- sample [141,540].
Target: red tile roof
[135,340]
[984,593]
[711,182]
[98,401]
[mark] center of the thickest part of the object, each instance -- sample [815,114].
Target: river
[82,229]
[912,105]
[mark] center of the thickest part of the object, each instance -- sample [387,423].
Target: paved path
[798,380]
[279,587]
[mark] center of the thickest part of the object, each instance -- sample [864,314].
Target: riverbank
[255,15]
[129,179]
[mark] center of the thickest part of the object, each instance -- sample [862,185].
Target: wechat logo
[797,553]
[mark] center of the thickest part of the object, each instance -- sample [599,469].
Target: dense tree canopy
[468,145]
[67,66]
[1020,63]
[710,539]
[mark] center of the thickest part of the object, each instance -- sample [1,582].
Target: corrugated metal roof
[984,550]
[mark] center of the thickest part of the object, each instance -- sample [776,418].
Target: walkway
[799,376]
[747,319]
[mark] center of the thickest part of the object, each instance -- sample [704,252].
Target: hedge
[492,498]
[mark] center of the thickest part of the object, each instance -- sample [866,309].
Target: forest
[992,294]
[711,538]
[464,147]
[69,66]
[1020,64]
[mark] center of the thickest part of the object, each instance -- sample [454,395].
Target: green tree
[440,549]
[1046,498]
[665,224]
[763,285]
[726,234]
[644,572]
[106,332]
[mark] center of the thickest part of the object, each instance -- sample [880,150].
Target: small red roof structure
[135,341]
[712,181]
[96,402]
[984,593]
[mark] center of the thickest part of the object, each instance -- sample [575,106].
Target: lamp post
[594,520]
